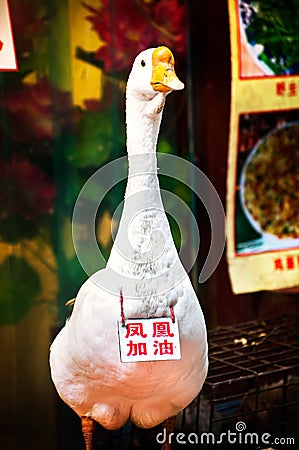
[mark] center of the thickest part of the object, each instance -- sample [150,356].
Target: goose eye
[143,63]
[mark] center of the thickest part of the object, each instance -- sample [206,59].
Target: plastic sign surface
[149,340]
[8,60]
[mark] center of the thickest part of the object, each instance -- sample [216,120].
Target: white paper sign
[7,49]
[149,340]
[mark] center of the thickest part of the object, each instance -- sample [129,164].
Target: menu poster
[263,161]
[8,60]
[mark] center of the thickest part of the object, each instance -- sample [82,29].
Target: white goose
[150,280]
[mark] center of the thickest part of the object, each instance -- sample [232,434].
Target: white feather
[84,358]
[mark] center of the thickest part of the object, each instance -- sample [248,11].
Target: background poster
[263,162]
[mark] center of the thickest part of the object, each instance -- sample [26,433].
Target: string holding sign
[8,60]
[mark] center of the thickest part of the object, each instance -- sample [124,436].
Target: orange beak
[164,78]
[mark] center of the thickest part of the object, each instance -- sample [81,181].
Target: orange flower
[24,189]
[30,109]
[129,27]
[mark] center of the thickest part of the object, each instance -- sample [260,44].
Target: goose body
[145,269]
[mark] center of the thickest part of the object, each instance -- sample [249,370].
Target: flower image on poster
[62,115]
[62,119]
[269,44]
[126,28]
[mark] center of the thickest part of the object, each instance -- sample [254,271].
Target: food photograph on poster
[267,208]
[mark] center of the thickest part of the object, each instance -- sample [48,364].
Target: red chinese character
[1,45]
[290,262]
[164,348]
[135,329]
[280,88]
[278,264]
[292,91]
[162,329]
[138,348]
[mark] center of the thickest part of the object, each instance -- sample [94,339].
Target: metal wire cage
[252,385]
[250,398]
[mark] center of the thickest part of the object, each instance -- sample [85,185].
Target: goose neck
[142,135]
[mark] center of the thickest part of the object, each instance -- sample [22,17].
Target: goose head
[152,77]
[152,73]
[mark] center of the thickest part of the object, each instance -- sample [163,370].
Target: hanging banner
[7,50]
[263,162]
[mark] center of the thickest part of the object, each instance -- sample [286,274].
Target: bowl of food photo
[269,185]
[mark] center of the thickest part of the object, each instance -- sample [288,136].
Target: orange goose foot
[87,426]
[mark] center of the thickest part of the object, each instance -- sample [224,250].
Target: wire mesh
[253,378]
